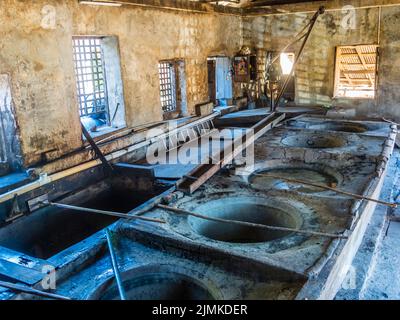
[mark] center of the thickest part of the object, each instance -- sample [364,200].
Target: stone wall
[36,51]
[315,71]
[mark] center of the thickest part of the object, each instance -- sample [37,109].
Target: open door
[220,80]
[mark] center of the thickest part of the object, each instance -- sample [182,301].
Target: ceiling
[255,3]
[235,7]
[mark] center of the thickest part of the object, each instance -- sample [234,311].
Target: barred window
[167,85]
[91,80]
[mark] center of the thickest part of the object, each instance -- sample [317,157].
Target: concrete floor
[384,281]
[375,269]
[384,277]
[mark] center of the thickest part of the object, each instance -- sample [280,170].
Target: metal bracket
[96,149]
[15,212]
[38,202]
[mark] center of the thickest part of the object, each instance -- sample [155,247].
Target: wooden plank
[337,72]
[358,72]
[135,169]
[355,55]
[355,80]
[368,65]
[22,259]
[182,5]
[310,7]
[204,172]
[20,267]
[267,3]
[209,171]
[361,57]
[18,273]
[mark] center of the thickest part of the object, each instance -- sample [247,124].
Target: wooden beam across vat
[199,175]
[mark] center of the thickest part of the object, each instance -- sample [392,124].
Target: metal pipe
[320,11]
[115,266]
[307,183]
[24,289]
[115,113]
[250,224]
[96,149]
[108,213]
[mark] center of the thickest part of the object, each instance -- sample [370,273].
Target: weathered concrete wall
[38,56]
[10,153]
[315,72]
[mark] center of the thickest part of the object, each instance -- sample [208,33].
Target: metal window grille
[90,75]
[167,86]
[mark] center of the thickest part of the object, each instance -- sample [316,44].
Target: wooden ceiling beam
[312,6]
[361,57]
[181,5]
[362,72]
[263,3]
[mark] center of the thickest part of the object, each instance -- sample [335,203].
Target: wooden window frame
[362,62]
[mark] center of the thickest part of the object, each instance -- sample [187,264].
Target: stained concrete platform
[284,142]
[294,254]
[286,265]
[143,266]
[383,280]
[312,122]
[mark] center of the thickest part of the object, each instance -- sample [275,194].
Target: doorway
[220,80]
